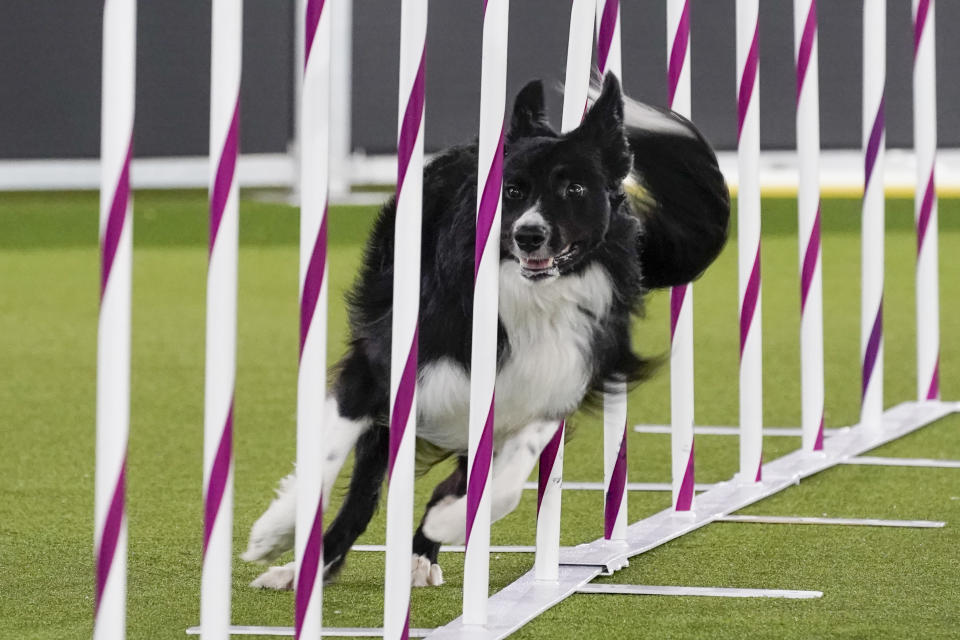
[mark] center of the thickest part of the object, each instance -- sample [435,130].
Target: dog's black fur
[641,196]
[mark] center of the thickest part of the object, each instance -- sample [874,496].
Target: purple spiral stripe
[678,295]
[818,442]
[314,10]
[748,80]
[806,46]
[405,634]
[111,534]
[919,24]
[410,127]
[749,305]
[759,477]
[933,391]
[926,209]
[618,483]
[309,569]
[678,53]
[872,350]
[685,495]
[548,458]
[608,24]
[217,483]
[313,281]
[873,143]
[810,258]
[226,168]
[403,402]
[489,201]
[480,472]
[116,220]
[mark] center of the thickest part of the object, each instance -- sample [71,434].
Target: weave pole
[221,343]
[925,200]
[113,331]
[311,379]
[483,357]
[871,292]
[615,395]
[681,297]
[549,494]
[808,215]
[406,306]
[748,241]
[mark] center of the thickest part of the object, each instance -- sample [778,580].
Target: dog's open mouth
[535,268]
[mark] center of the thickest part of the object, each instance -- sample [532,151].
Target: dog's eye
[575,190]
[513,192]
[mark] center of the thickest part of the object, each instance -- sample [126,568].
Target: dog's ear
[603,127]
[529,114]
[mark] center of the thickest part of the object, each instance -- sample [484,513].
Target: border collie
[631,200]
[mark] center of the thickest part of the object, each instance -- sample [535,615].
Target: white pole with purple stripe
[113,332]
[406,305]
[549,495]
[808,215]
[311,380]
[681,297]
[925,200]
[748,241]
[871,291]
[225,62]
[483,357]
[615,396]
[550,478]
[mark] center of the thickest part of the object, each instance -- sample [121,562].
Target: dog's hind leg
[273,533]
[445,521]
[425,572]
[360,503]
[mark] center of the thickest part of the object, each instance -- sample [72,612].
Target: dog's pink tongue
[534,263]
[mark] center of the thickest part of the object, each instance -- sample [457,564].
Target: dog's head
[558,190]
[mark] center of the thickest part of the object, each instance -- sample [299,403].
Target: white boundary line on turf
[721,592]
[865,522]
[713,430]
[904,462]
[327,632]
[454,548]
[631,486]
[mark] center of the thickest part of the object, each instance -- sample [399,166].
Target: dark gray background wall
[50,76]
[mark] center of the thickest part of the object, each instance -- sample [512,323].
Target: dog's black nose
[530,237]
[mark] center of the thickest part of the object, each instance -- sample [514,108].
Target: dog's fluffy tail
[677,191]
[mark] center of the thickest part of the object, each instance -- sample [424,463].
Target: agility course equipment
[406,309]
[113,331]
[681,297]
[558,572]
[314,164]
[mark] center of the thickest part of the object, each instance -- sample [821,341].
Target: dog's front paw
[272,533]
[446,521]
[279,578]
[425,574]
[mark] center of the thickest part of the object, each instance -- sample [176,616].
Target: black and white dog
[630,201]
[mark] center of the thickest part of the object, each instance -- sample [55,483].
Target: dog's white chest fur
[550,328]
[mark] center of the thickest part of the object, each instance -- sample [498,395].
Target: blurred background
[50,84]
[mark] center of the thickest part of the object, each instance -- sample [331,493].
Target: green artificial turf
[877,582]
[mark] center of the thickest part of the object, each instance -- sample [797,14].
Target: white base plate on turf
[716,592]
[521,601]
